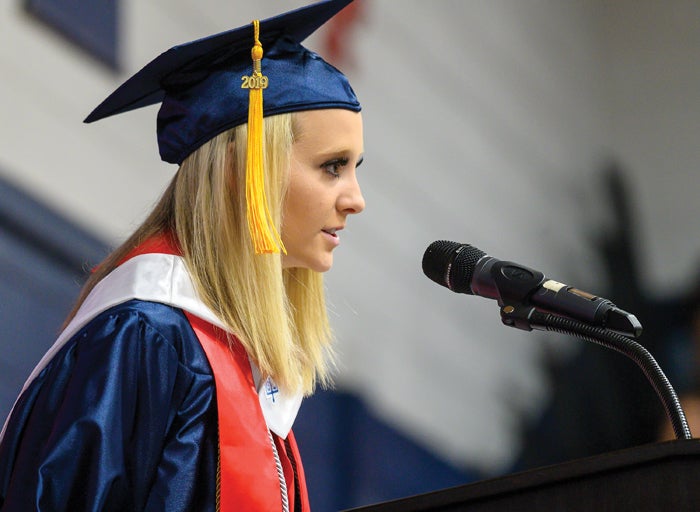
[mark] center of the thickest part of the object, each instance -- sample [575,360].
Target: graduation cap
[210,85]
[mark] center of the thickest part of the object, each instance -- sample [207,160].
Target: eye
[334,166]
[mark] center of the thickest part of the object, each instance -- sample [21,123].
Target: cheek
[302,196]
[310,202]
[296,209]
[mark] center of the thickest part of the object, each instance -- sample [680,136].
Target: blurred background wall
[561,135]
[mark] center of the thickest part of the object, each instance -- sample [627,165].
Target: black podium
[654,477]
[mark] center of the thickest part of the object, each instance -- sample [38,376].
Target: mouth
[331,235]
[331,231]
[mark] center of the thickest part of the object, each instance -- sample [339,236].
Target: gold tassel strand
[262,228]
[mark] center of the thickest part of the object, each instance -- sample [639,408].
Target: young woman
[178,375]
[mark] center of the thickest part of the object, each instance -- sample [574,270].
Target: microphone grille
[451,264]
[462,270]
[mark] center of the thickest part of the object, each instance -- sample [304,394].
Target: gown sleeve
[123,418]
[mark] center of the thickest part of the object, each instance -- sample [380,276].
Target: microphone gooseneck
[628,347]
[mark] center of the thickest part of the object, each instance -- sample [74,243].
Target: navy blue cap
[199,83]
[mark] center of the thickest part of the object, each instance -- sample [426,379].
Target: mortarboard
[199,86]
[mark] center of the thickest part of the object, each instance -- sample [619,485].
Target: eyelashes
[334,166]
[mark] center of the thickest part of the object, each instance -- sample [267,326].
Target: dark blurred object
[92,26]
[43,261]
[352,458]
[601,401]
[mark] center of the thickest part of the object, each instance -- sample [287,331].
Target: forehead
[329,127]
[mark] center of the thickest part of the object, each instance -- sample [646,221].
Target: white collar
[164,278]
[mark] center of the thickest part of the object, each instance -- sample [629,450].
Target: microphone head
[451,264]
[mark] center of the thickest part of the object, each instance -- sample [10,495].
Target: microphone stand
[528,318]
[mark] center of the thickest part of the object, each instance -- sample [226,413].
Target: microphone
[465,269]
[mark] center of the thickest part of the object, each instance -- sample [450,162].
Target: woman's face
[323,188]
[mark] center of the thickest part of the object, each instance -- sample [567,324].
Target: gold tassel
[263,232]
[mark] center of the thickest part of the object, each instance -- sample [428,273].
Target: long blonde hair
[279,315]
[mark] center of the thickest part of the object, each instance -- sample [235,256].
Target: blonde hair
[279,315]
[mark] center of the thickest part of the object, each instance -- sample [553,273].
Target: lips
[331,235]
[330,231]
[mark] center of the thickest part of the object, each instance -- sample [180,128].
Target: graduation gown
[124,412]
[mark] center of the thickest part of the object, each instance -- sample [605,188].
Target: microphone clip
[519,316]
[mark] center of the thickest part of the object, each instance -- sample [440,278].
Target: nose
[351,200]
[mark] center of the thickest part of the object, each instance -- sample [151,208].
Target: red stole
[248,474]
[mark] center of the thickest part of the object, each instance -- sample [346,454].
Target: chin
[324,268]
[323,265]
[320,265]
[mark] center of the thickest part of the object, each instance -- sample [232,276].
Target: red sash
[249,479]
[248,474]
